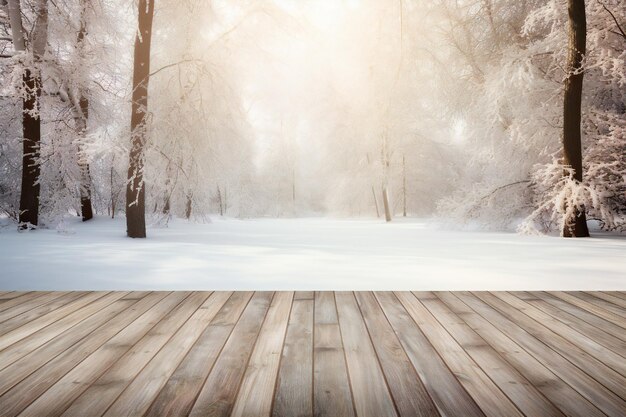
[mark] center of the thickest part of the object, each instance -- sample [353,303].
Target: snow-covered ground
[329,254]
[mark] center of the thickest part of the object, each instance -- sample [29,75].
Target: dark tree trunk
[135,189]
[575,226]
[31,119]
[219,200]
[188,207]
[83,102]
[31,168]
[386,204]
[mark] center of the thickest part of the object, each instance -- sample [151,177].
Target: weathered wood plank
[607,340]
[596,393]
[486,394]
[60,345]
[28,337]
[26,330]
[407,390]
[332,395]
[23,308]
[446,391]
[20,298]
[517,388]
[592,366]
[257,387]
[67,351]
[180,391]
[554,388]
[310,353]
[583,315]
[103,391]
[138,396]
[218,394]
[304,295]
[616,304]
[579,339]
[54,301]
[369,388]
[618,294]
[591,307]
[294,387]
[60,395]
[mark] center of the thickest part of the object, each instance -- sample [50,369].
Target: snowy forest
[492,114]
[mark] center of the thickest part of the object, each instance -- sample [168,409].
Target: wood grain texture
[180,392]
[484,391]
[294,386]
[595,392]
[332,395]
[219,392]
[369,387]
[555,389]
[407,390]
[257,388]
[306,353]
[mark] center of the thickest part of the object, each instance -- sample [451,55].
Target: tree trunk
[403,187]
[375,202]
[386,204]
[219,199]
[168,191]
[135,189]
[576,225]
[83,104]
[188,206]
[113,195]
[31,120]
[31,168]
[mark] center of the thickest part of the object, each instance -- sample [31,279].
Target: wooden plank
[555,389]
[257,387]
[22,308]
[34,334]
[54,301]
[20,299]
[407,390]
[72,354]
[138,396]
[28,364]
[9,295]
[607,305]
[620,303]
[304,295]
[445,390]
[331,387]
[218,394]
[99,396]
[60,395]
[294,386]
[517,388]
[596,393]
[22,332]
[618,294]
[592,366]
[606,339]
[136,295]
[180,392]
[593,308]
[369,389]
[582,314]
[593,348]
[486,394]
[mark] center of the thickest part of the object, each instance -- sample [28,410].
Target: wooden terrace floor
[312,354]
